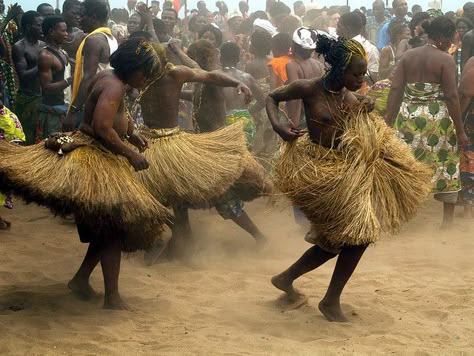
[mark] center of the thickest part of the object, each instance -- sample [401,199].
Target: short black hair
[466,21]
[155,2]
[168,5]
[98,9]
[28,18]
[279,8]
[202,51]
[259,14]
[353,22]
[395,28]
[141,34]
[44,4]
[261,43]
[69,4]
[439,27]
[297,4]
[215,30]
[416,7]
[281,42]
[230,53]
[172,10]
[50,22]
[132,55]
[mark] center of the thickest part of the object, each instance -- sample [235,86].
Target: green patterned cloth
[424,123]
[246,119]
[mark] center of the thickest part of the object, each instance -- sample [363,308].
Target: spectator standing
[25,57]
[376,21]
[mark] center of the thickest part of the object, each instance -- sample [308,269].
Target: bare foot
[82,290]
[5,225]
[153,255]
[282,282]
[293,299]
[332,312]
[115,302]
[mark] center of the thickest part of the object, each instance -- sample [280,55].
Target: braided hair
[338,53]
[134,54]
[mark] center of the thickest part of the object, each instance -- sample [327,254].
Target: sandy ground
[412,294]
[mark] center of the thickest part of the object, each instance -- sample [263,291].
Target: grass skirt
[196,169]
[89,182]
[370,183]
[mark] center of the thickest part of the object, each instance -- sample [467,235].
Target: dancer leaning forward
[89,174]
[350,174]
[190,170]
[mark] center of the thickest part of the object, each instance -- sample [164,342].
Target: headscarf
[266,26]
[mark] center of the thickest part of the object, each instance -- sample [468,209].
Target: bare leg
[448,215]
[4,225]
[311,259]
[346,264]
[248,225]
[110,262]
[79,284]
[181,244]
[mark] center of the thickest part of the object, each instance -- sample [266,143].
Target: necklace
[431,45]
[329,90]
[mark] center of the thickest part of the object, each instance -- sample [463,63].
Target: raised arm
[217,78]
[448,83]
[395,95]
[105,113]
[45,63]
[175,47]
[293,91]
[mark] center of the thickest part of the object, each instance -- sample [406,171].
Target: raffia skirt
[96,186]
[199,169]
[369,183]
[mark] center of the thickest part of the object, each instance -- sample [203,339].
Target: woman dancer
[350,175]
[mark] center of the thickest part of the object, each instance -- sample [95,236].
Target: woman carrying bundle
[350,175]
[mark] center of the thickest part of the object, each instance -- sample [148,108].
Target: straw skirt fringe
[91,183]
[370,183]
[196,169]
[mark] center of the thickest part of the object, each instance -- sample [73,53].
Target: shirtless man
[302,67]
[95,55]
[25,56]
[72,17]
[105,119]
[52,62]
[210,115]
[160,109]
[237,109]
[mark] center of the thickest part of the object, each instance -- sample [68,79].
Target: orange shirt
[279,67]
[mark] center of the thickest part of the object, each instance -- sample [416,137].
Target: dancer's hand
[242,88]
[138,161]
[287,132]
[138,141]
[69,123]
[368,103]
[463,140]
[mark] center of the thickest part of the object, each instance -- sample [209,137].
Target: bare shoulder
[109,84]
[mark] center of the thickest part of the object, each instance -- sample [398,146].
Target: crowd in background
[275,46]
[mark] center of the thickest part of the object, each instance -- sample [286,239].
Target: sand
[412,294]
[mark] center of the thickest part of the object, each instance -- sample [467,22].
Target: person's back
[425,64]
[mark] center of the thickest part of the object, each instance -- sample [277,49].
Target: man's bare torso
[101,83]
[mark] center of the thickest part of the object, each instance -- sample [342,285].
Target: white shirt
[372,54]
